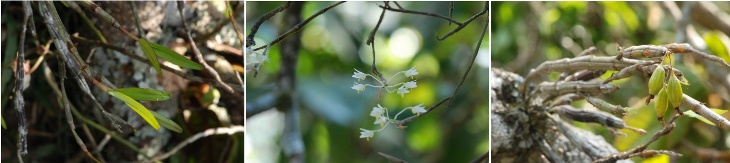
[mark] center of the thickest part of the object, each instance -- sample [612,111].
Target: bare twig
[209,132]
[19,84]
[421,13]
[372,33]
[297,27]
[199,56]
[255,27]
[176,71]
[58,92]
[67,108]
[461,81]
[703,111]
[632,153]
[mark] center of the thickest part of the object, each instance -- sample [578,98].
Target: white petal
[402,90]
[410,84]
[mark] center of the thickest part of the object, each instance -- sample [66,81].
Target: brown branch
[372,33]
[298,27]
[632,153]
[199,56]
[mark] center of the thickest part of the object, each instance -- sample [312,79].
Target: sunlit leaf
[150,53]
[692,114]
[174,58]
[137,107]
[716,43]
[166,122]
[5,127]
[144,94]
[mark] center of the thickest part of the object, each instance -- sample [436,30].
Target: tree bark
[522,132]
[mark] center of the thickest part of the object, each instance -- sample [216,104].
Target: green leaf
[137,107]
[5,127]
[150,53]
[175,58]
[144,94]
[692,114]
[167,123]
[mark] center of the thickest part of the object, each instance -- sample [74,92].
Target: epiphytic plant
[580,80]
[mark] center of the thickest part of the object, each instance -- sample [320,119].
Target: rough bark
[527,133]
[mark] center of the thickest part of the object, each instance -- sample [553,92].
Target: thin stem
[180,6]
[261,20]
[297,27]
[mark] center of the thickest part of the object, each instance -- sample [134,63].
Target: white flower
[359,87]
[381,120]
[358,75]
[418,109]
[410,84]
[411,72]
[402,90]
[366,133]
[249,50]
[377,111]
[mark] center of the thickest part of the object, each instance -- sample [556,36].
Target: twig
[19,86]
[451,10]
[461,81]
[372,33]
[199,56]
[703,111]
[297,27]
[457,29]
[232,17]
[163,66]
[421,13]
[136,19]
[631,153]
[255,27]
[57,91]
[69,119]
[209,132]
[588,116]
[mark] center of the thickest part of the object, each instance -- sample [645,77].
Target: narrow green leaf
[174,58]
[137,107]
[5,127]
[144,94]
[150,53]
[167,123]
[692,114]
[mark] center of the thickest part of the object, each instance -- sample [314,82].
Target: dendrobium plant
[381,113]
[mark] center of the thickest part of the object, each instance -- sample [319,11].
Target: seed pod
[657,80]
[661,103]
[674,92]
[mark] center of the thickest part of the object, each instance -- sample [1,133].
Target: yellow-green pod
[674,91]
[661,103]
[656,81]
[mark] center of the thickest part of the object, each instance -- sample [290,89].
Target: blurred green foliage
[333,46]
[526,34]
